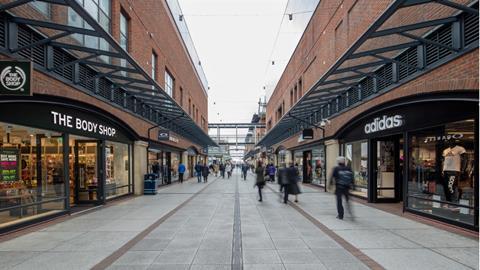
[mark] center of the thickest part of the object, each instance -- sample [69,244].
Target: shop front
[55,154]
[311,160]
[163,160]
[421,152]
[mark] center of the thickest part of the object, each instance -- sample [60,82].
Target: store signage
[9,164]
[307,134]
[73,122]
[163,135]
[384,123]
[15,77]
[443,138]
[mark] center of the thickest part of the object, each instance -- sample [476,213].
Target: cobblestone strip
[346,245]
[105,263]
[237,256]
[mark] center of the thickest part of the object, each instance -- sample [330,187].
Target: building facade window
[190,107]
[154,66]
[100,10]
[169,83]
[42,7]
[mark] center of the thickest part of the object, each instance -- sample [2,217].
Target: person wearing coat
[198,171]
[205,172]
[292,186]
[260,181]
[282,177]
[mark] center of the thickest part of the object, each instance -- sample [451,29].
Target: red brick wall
[334,27]
[457,75]
[165,41]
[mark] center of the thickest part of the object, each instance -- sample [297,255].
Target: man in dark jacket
[343,177]
[198,171]
[205,172]
[292,186]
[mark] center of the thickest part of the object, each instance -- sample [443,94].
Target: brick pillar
[140,164]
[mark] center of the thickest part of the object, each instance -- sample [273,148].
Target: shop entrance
[387,168]
[307,166]
[87,177]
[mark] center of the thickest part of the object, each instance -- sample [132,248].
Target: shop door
[387,169]
[88,183]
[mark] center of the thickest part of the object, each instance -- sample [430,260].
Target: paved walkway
[221,225]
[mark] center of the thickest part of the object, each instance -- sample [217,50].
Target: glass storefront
[298,162]
[318,165]
[117,169]
[441,173]
[32,180]
[33,174]
[356,155]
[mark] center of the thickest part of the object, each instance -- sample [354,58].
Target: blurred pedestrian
[282,177]
[292,184]
[222,170]
[198,171]
[205,172]
[342,176]
[244,171]
[260,181]
[228,168]
[181,171]
[271,172]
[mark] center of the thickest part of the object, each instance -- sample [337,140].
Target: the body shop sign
[73,122]
[15,77]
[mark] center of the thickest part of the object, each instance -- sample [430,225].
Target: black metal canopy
[106,60]
[392,51]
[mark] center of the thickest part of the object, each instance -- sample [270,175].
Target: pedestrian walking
[292,184]
[181,171]
[198,171]
[271,172]
[342,176]
[282,177]
[205,172]
[222,170]
[260,181]
[244,171]
[228,168]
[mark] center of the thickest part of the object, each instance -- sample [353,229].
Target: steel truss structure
[385,56]
[128,84]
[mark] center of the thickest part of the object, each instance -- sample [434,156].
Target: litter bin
[150,184]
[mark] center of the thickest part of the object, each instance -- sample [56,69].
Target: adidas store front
[420,151]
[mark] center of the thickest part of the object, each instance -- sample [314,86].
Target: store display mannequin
[452,164]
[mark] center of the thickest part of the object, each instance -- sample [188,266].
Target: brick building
[117,91]
[393,87]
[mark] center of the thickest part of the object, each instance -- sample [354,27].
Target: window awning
[86,55]
[404,42]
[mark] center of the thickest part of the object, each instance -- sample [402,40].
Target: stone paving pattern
[199,235]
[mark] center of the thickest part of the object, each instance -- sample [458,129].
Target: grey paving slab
[417,259]
[151,245]
[213,256]
[435,238]
[9,259]
[169,267]
[138,258]
[467,256]
[334,255]
[281,243]
[62,261]
[298,256]
[263,267]
[305,267]
[261,256]
[376,239]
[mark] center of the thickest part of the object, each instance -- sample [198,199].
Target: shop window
[318,165]
[356,155]
[100,11]
[117,169]
[441,171]
[32,179]
[169,83]
[298,163]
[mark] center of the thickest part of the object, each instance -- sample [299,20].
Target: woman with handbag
[260,182]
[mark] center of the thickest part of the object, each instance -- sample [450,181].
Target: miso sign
[15,78]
